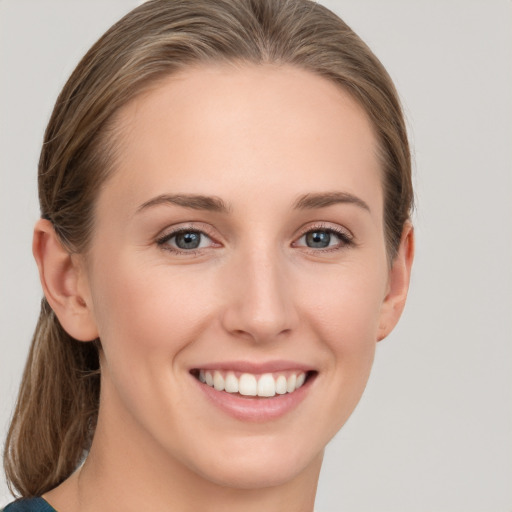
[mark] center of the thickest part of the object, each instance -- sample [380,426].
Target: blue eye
[325,238]
[318,239]
[188,240]
[184,240]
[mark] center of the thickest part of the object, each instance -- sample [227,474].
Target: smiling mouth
[264,385]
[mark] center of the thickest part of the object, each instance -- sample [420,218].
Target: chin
[263,467]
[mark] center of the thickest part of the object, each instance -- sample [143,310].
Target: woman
[225,197]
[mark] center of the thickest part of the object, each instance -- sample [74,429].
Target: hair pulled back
[57,407]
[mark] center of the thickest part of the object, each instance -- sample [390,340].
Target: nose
[260,302]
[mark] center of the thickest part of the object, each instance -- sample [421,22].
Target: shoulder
[28,505]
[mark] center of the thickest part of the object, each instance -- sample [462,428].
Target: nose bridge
[261,303]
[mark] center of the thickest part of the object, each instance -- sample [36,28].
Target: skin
[258,137]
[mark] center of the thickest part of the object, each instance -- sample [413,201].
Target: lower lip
[256,409]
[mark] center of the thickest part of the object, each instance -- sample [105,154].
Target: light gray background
[434,429]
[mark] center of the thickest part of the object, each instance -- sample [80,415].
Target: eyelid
[345,235]
[327,226]
[167,234]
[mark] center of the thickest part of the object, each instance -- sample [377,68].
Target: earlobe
[398,286]
[63,282]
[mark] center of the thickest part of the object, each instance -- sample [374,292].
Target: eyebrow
[324,199]
[193,201]
[216,204]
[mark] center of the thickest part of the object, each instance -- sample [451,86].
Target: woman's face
[240,235]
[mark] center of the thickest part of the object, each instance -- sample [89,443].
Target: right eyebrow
[193,201]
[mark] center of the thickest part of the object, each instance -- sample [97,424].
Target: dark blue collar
[29,505]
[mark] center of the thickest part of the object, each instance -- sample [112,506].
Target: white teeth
[231,383]
[267,385]
[290,383]
[247,385]
[281,385]
[300,380]
[218,381]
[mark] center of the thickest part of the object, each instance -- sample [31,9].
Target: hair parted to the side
[57,408]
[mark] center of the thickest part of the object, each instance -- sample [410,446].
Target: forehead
[224,129]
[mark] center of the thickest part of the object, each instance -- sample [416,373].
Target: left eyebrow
[324,199]
[193,201]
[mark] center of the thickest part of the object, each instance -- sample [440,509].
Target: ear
[64,282]
[398,283]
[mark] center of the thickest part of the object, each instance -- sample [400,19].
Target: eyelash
[346,239]
[162,241]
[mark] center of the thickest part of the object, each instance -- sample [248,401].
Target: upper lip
[256,367]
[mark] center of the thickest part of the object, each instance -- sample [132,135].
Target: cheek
[147,315]
[147,311]
[345,314]
[345,304]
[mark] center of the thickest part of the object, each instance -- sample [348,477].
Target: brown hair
[57,407]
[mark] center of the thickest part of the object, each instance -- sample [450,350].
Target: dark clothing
[29,505]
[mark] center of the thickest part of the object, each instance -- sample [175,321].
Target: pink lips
[257,368]
[254,408]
